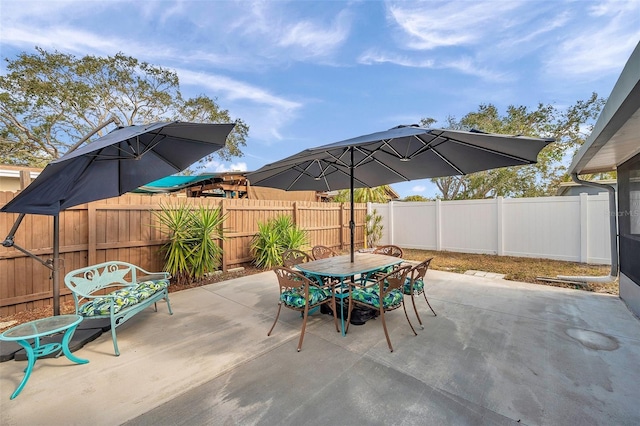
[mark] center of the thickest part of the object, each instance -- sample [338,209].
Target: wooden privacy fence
[125,228]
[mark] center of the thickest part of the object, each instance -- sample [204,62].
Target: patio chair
[385,295]
[322,252]
[389,250]
[301,294]
[414,285]
[292,257]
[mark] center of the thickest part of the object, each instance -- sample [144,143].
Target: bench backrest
[85,281]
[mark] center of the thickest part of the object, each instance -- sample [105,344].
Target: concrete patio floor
[499,352]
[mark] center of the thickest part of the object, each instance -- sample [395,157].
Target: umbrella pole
[352,224]
[56,265]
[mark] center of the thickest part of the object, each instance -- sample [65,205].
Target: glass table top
[41,327]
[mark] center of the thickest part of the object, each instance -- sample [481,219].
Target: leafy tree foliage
[415,198]
[49,101]
[569,127]
[378,194]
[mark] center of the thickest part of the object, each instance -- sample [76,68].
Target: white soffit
[616,135]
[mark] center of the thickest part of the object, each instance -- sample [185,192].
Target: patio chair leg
[413,301]
[384,326]
[304,326]
[335,315]
[408,320]
[424,293]
[276,320]
[348,316]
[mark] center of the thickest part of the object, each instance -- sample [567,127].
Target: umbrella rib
[369,156]
[304,172]
[492,151]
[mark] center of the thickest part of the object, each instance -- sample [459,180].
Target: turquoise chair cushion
[418,286]
[295,297]
[124,298]
[371,296]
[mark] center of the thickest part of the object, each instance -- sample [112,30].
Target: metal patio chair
[385,295]
[293,257]
[322,252]
[301,294]
[414,285]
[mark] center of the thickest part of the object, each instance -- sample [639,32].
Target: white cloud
[375,57]
[419,188]
[313,39]
[601,44]
[235,90]
[265,113]
[430,25]
[218,167]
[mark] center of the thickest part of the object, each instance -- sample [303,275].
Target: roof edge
[623,102]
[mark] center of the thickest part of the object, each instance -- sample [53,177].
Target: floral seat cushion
[418,286]
[371,296]
[295,297]
[122,298]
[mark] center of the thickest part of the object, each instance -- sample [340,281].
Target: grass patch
[522,269]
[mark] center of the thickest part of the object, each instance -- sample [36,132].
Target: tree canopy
[569,127]
[415,198]
[378,194]
[50,101]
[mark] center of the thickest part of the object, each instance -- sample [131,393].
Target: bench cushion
[124,298]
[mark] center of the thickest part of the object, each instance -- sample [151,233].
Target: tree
[378,194]
[49,101]
[415,198]
[569,127]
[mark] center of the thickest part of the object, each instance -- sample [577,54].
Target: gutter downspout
[613,230]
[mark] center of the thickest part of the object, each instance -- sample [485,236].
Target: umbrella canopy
[118,162]
[403,153]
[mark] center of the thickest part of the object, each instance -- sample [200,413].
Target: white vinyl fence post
[391,222]
[584,227]
[438,225]
[500,225]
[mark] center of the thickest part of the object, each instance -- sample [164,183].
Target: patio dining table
[341,268]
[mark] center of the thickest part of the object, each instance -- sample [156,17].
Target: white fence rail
[572,228]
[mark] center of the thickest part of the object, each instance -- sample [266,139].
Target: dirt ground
[515,269]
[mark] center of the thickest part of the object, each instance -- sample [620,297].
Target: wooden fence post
[223,211]
[91,234]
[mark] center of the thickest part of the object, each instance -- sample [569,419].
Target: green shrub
[192,250]
[273,238]
[373,228]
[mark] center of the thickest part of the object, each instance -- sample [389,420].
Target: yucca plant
[273,238]
[206,253]
[192,250]
[176,222]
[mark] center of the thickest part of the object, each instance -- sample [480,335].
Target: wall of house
[562,228]
[629,232]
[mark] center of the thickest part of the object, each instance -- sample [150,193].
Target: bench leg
[166,297]
[113,336]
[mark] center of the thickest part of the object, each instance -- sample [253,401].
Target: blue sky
[307,73]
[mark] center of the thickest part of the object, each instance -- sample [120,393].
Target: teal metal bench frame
[90,282]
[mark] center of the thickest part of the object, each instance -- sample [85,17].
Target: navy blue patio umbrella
[402,153]
[119,162]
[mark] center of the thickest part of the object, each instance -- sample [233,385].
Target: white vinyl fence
[571,228]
